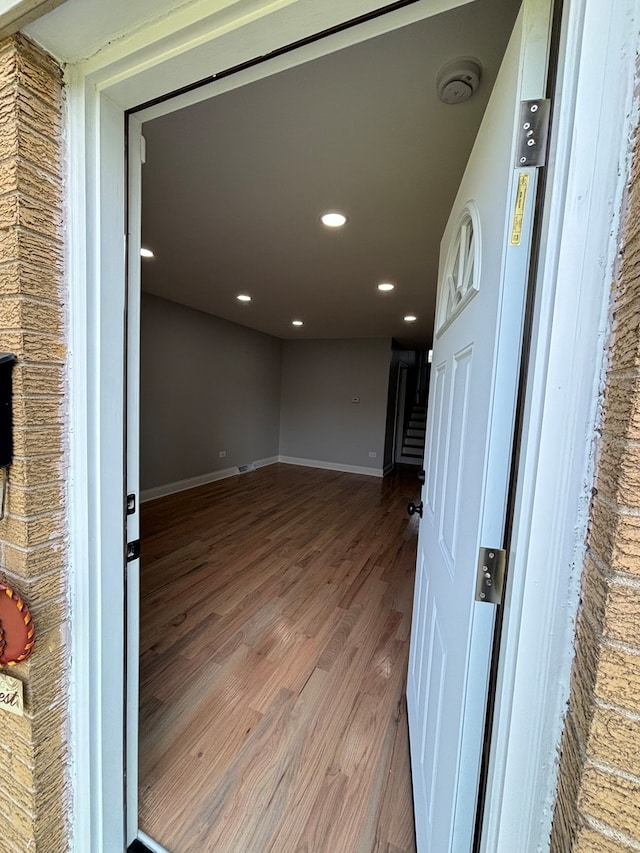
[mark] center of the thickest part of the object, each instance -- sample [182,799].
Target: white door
[478,330]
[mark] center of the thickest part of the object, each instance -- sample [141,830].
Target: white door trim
[566,366]
[595,117]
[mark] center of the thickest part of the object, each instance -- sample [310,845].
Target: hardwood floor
[275,618]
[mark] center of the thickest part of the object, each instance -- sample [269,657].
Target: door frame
[581,218]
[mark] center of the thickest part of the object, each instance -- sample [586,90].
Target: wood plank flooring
[275,620]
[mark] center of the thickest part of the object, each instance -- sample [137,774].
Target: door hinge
[133,550]
[490,577]
[533,130]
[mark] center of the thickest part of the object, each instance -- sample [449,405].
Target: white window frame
[594,120]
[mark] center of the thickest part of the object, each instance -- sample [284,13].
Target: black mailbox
[7,360]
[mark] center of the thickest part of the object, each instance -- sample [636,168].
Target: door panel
[456,430]
[435,441]
[481,296]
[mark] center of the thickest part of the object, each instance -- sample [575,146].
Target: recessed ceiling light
[243,297]
[333,219]
[386,286]
[146,253]
[297,323]
[410,318]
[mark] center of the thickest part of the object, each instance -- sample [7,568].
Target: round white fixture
[410,318]
[333,219]
[243,297]
[458,80]
[297,323]
[386,286]
[146,253]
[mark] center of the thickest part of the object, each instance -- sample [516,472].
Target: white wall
[206,385]
[318,419]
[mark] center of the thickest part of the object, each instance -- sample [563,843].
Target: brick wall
[33,779]
[598,805]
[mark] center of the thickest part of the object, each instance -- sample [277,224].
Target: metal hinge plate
[490,577]
[133,550]
[533,130]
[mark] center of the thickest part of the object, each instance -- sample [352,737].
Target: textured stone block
[594,592]
[20,211]
[623,614]
[29,563]
[37,149]
[583,677]
[34,347]
[614,740]
[40,590]
[45,685]
[18,277]
[614,800]
[32,441]
[615,537]
[565,818]
[592,841]
[38,740]
[34,501]
[44,117]
[37,412]
[621,418]
[618,476]
[17,821]
[31,379]
[618,679]
[28,532]
[28,315]
[625,353]
[35,471]
[37,74]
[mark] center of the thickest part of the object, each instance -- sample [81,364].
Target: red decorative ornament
[17,634]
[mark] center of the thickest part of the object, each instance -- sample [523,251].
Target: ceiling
[233,187]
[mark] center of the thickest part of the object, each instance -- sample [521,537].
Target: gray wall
[206,385]
[318,421]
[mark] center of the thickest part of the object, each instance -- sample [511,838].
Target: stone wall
[598,805]
[33,756]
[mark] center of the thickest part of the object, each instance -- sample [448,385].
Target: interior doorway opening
[174,452]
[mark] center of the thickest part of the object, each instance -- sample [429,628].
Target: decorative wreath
[17,634]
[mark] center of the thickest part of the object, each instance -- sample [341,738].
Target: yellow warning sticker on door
[518,213]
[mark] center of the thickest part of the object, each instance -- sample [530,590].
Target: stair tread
[413,451]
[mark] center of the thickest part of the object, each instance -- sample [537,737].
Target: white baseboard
[332,466]
[200,480]
[270,460]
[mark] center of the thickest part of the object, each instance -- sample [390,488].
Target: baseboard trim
[270,460]
[332,466]
[201,480]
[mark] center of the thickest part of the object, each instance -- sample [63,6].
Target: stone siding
[34,792]
[598,804]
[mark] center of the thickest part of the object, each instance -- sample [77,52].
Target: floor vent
[242,469]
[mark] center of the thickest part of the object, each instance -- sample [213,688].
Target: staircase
[413,438]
